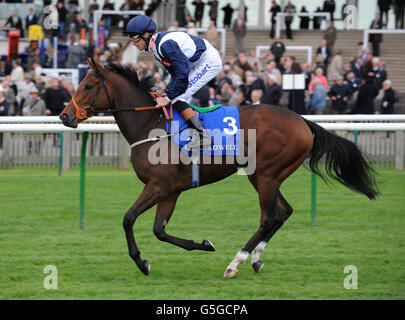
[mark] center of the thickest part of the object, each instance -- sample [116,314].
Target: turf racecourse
[39,227]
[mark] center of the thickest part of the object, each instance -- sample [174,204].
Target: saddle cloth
[222,124]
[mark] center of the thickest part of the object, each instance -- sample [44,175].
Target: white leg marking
[257,252]
[240,257]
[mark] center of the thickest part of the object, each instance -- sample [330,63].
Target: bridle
[81,113]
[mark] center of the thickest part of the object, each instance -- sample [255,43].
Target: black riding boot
[200,137]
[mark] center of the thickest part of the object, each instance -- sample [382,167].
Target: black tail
[344,161]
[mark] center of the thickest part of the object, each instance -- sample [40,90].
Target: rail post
[82,178]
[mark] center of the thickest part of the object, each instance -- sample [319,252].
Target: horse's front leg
[164,211]
[151,194]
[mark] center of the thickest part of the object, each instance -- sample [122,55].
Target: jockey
[191,61]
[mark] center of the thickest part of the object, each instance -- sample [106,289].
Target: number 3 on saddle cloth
[222,123]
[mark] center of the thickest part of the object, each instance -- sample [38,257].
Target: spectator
[317,20]
[290,9]
[9,95]
[159,84]
[3,69]
[54,98]
[93,7]
[319,62]
[4,105]
[318,76]
[17,73]
[307,72]
[381,74]
[347,68]
[33,58]
[339,94]
[277,49]
[273,91]
[213,13]
[353,89]
[24,89]
[228,11]
[80,26]
[76,54]
[318,99]
[326,53]
[255,96]
[34,105]
[387,103]
[239,31]
[275,8]
[329,6]
[330,36]
[294,65]
[365,98]
[229,96]
[376,38]
[62,12]
[126,6]
[358,69]
[271,69]
[336,66]
[384,7]
[175,26]
[191,29]
[199,11]
[212,34]
[107,17]
[363,51]
[15,22]
[214,100]
[138,5]
[304,23]
[243,63]
[234,77]
[399,6]
[31,19]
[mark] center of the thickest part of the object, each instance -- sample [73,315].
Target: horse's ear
[95,66]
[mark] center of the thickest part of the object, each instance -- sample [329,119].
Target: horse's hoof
[145,268]
[229,273]
[208,246]
[257,266]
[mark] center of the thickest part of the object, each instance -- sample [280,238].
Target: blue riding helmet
[138,25]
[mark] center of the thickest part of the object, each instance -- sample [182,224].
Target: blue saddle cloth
[222,124]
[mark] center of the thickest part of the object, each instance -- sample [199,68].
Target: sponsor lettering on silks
[198,76]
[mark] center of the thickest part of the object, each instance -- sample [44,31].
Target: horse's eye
[88,87]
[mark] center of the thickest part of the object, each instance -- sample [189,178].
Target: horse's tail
[344,161]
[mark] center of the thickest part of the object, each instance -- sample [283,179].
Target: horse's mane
[144,84]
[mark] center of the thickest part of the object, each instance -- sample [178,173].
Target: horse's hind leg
[270,216]
[164,211]
[285,210]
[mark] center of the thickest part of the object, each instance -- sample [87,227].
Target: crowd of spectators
[331,86]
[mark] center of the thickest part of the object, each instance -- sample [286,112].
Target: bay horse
[284,140]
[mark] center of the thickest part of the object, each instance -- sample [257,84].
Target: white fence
[38,141]
[308,49]
[367,32]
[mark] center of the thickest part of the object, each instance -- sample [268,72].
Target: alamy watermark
[51,280]
[51,20]
[351,281]
[229,147]
[351,17]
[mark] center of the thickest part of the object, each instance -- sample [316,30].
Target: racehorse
[283,141]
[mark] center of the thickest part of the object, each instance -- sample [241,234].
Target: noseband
[81,113]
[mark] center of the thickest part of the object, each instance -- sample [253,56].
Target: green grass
[39,227]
